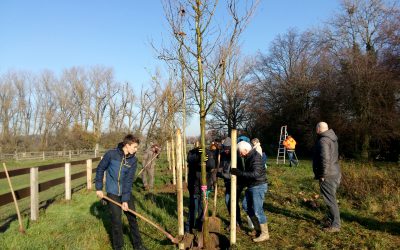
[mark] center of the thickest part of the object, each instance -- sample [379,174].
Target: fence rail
[35,187]
[45,155]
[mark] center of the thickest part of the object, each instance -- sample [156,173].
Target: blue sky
[58,34]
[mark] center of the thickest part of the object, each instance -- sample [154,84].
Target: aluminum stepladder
[281,155]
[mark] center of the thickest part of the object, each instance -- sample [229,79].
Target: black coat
[326,155]
[194,174]
[254,172]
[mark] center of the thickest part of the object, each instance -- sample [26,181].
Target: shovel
[172,238]
[214,221]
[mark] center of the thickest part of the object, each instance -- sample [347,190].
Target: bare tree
[207,47]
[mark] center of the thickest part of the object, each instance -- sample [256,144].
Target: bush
[371,188]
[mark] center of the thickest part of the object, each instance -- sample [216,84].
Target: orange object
[289,143]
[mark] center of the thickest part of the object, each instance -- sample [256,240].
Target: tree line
[345,73]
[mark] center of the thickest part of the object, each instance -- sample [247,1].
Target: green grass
[23,181]
[369,205]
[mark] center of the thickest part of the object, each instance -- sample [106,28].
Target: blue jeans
[255,200]
[291,159]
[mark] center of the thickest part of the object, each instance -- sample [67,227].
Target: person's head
[213,147]
[255,141]
[243,148]
[321,127]
[130,144]
[155,148]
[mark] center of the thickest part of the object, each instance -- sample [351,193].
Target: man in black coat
[195,215]
[327,170]
[254,178]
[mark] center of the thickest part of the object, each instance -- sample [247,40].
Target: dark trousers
[328,189]
[195,215]
[291,157]
[228,200]
[116,223]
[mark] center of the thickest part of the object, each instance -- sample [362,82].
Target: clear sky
[58,34]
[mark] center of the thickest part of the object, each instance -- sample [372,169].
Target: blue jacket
[120,173]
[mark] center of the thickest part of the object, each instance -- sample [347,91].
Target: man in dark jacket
[327,170]
[195,215]
[224,172]
[120,167]
[254,177]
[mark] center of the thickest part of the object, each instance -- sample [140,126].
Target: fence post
[173,161]
[70,155]
[179,190]
[34,175]
[169,155]
[68,181]
[89,173]
[44,157]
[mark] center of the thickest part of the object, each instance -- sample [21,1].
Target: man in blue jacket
[120,167]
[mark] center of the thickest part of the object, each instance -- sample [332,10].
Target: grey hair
[322,127]
[243,145]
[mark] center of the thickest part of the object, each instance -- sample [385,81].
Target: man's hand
[235,171]
[125,206]
[206,157]
[100,194]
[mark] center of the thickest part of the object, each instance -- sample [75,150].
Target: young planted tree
[208,44]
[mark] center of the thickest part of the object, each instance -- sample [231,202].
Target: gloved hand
[235,171]
[200,151]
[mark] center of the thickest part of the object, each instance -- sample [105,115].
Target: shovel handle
[173,239]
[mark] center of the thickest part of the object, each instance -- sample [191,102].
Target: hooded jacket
[120,170]
[326,155]
[254,172]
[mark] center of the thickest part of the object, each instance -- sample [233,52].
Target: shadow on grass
[43,205]
[373,224]
[164,201]
[288,213]
[100,210]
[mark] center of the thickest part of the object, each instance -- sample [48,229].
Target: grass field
[369,201]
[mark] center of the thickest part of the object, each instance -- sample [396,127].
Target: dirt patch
[215,241]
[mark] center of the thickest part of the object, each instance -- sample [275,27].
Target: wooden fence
[45,155]
[35,187]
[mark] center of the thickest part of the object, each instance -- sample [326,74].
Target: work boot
[332,229]
[257,230]
[264,233]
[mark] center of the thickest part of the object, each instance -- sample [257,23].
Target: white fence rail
[46,155]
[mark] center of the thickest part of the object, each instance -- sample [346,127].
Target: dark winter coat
[120,173]
[194,174]
[254,172]
[326,156]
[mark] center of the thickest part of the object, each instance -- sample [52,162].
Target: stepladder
[281,155]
